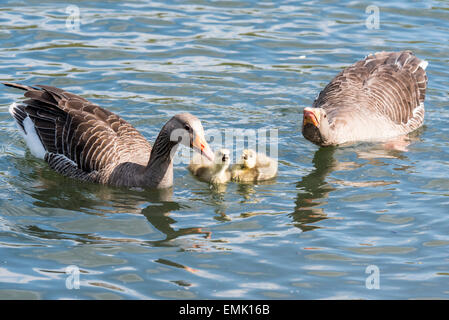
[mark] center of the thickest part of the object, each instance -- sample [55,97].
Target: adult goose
[82,140]
[377,98]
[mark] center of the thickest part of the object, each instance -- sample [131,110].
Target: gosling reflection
[247,192]
[312,189]
[217,197]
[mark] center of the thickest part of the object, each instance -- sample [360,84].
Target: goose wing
[77,135]
[388,84]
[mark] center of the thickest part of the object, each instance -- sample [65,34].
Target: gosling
[254,167]
[216,172]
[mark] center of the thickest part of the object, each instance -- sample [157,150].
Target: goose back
[81,139]
[380,96]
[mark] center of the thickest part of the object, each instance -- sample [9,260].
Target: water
[311,234]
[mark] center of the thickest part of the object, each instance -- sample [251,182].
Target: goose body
[84,141]
[377,98]
[216,172]
[253,167]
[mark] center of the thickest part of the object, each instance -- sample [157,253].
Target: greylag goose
[253,167]
[82,140]
[216,172]
[377,98]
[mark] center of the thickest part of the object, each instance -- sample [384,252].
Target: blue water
[332,215]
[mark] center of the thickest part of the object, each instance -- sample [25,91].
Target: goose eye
[187,127]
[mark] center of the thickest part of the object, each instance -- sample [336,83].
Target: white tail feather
[32,139]
[12,107]
[423,64]
[30,135]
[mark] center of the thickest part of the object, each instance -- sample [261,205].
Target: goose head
[248,159]
[315,126]
[222,158]
[187,129]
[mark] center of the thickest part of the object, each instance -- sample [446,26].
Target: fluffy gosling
[216,172]
[254,167]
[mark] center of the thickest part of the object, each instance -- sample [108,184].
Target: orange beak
[200,145]
[311,116]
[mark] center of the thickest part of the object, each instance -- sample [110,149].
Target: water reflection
[158,214]
[394,148]
[218,200]
[98,200]
[56,191]
[313,188]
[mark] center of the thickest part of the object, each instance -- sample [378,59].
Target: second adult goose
[82,140]
[377,98]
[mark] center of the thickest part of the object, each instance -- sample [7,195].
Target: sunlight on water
[309,234]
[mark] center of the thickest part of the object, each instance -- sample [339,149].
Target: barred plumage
[82,140]
[376,98]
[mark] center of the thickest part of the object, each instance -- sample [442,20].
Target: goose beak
[200,145]
[311,116]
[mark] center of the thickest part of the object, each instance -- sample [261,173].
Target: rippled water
[311,234]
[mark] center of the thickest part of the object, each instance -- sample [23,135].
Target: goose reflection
[158,214]
[63,193]
[312,189]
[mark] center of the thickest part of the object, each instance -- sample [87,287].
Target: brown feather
[72,128]
[385,89]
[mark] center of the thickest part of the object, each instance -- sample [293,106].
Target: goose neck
[159,171]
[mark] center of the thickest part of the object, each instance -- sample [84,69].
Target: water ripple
[310,234]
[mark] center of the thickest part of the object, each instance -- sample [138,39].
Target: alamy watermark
[72,22]
[73,279]
[263,141]
[373,280]
[373,19]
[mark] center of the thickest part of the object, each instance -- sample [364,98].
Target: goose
[81,140]
[216,172]
[377,98]
[253,167]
